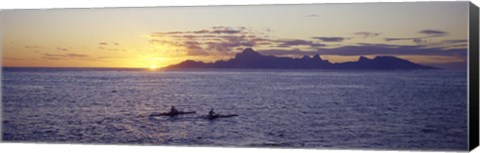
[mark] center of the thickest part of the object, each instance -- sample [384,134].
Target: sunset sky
[430,33]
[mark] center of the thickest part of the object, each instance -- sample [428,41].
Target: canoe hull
[221,116]
[171,114]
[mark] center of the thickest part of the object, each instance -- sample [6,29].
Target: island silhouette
[250,59]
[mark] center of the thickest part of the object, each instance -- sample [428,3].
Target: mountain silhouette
[250,59]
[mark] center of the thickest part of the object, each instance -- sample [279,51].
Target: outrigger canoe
[172,113]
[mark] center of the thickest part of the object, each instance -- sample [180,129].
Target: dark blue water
[419,110]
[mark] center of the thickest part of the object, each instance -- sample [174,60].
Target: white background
[81,148]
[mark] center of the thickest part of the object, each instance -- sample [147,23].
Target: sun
[153,67]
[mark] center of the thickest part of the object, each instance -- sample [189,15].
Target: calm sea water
[419,110]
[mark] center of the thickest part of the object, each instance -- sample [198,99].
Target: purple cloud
[219,40]
[371,49]
[226,41]
[330,39]
[433,32]
[298,42]
[429,33]
[194,49]
[415,40]
[213,30]
[454,41]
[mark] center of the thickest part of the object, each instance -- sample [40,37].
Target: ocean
[413,110]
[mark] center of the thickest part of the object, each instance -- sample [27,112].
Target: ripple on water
[339,109]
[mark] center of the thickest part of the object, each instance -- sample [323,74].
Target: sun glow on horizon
[152,67]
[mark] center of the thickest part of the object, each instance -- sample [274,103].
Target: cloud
[12,59]
[227,41]
[62,49]
[415,40]
[268,29]
[371,49]
[76,55]
[454,41]
[53,55]
[367,34]
[225,31]
[423,39]
[427,42]
[49,56]
[311,15]
[213,30]
[435,33]
[193,49]
[298,42]
[32,47]
[112,47]
[397,39]
[218,40]
[330,39]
